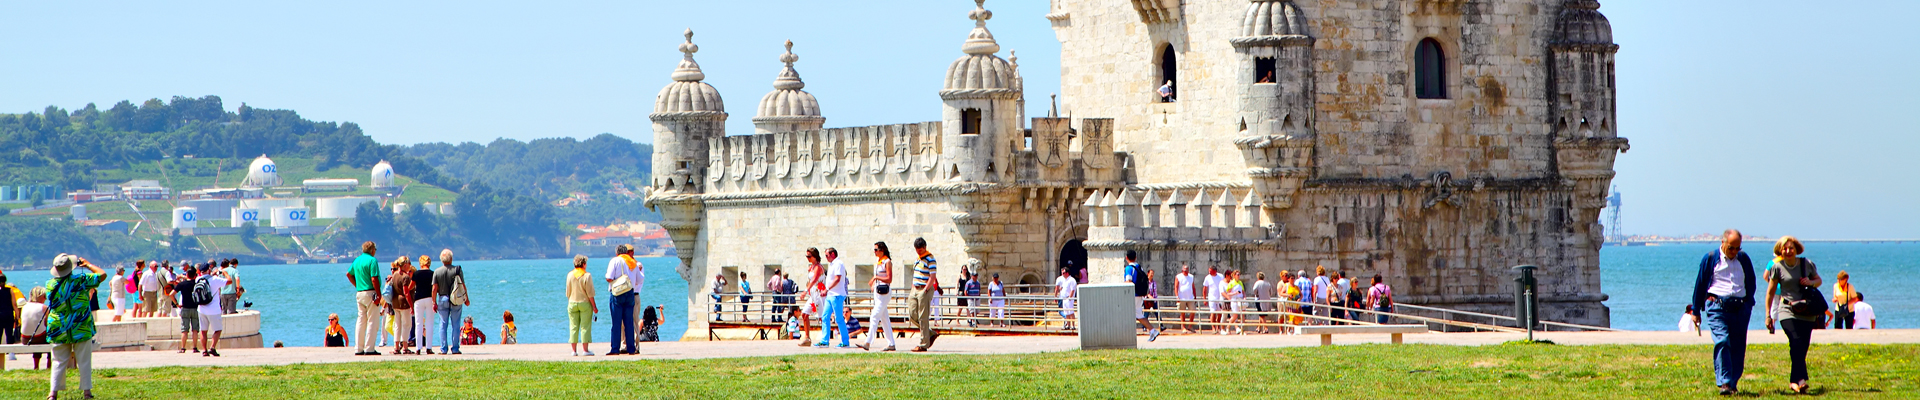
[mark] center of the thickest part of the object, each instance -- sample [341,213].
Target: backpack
[202,291]
[458,296]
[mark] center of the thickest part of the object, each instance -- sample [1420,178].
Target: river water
[1648,289]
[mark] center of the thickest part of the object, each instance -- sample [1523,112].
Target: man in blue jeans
[445,279]
[836,299]
[1723,290]
[625,327]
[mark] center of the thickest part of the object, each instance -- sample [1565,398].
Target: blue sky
[1776,117]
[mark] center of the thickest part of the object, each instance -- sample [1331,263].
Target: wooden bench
[1326,332]
[22,349]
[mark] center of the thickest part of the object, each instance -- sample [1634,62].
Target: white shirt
[33,319]
[1686,323]
[836,268]
[1215,283]
[1320,287]
[1341,287]
[1064,287]
[117,286]
[1729,278]
[150,282]
[213,309]
[635,276]
[1183,285]
[1862,315]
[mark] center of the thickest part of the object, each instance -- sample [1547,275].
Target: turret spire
[980,42]
[688,71]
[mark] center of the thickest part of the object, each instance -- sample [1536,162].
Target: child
[793,329]
[650,323]
[509,334]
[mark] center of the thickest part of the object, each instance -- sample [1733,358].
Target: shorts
[1239,305]
[210,323]
[1066,307]
[1213,304]
[1139,307]
[149,302]
[119,305]
[189,320]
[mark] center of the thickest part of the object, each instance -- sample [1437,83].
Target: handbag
[882,289]
[1811,302]
[620,286]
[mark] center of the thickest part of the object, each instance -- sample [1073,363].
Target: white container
[79,212]
[399,208]
[185,218]
[287,217]
[338,207]
[242,216]
[446,208]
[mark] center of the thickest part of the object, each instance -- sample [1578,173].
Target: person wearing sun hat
[70,320]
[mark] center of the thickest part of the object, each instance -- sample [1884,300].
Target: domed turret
[262,173]
[1582,24]
[685,116]
[382,175]
[787,108]
[1273,18]
[687,93]
[980,69]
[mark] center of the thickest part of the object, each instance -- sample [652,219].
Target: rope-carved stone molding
[688,116]
[964,94]
[1271,40]
[1192,186]
[1117,245]
[829,196]
[1269,141]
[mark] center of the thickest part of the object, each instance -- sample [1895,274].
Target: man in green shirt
[365,276]
[70,320]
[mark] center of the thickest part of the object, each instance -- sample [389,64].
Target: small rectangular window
[1263,70]
[970,121]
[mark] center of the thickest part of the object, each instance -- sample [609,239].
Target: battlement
[1204,215]
[866,156]
[907,154]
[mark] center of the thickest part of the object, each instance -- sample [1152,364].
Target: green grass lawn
[1342,372]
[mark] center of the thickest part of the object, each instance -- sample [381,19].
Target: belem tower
[1434,142]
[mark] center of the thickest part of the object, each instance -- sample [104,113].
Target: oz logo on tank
[269,168]
[189,216]
[297,215]
[249,215]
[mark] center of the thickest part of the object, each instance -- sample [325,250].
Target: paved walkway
[948,345]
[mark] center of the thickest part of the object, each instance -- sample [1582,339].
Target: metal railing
[1028,314]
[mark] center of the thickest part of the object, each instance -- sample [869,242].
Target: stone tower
[981,108]
[686,115]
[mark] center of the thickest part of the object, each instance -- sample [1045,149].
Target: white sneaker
[587,354]
[576,354]
[1153,334]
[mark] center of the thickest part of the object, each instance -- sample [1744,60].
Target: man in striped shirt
[926,282]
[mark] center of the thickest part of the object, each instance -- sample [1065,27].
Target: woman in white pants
[424,309]
[999,303]
[882,284]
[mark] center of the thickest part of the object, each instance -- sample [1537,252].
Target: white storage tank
[211,209]
[185,218]
[269,204]
[429,208]
[287,217]
[399,208]
[79,212]
[446,208]
[262,173]
[338,207]
[242,216]
[382,175]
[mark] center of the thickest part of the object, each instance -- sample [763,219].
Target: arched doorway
[1073,257]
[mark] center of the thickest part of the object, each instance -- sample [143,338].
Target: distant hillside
[553,169]
[192,143]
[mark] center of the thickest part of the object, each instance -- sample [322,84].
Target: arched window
[1430,70]
[1169,84]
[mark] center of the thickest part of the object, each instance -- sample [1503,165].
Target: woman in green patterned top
[70,321]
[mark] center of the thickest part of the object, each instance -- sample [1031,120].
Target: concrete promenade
[948,345]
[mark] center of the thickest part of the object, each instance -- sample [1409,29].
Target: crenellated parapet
[834,158]
[1203,216]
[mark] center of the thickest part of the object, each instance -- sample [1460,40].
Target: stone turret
[1585,139]
[981,112]
[787,108]
[686,114]
[1276,86]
